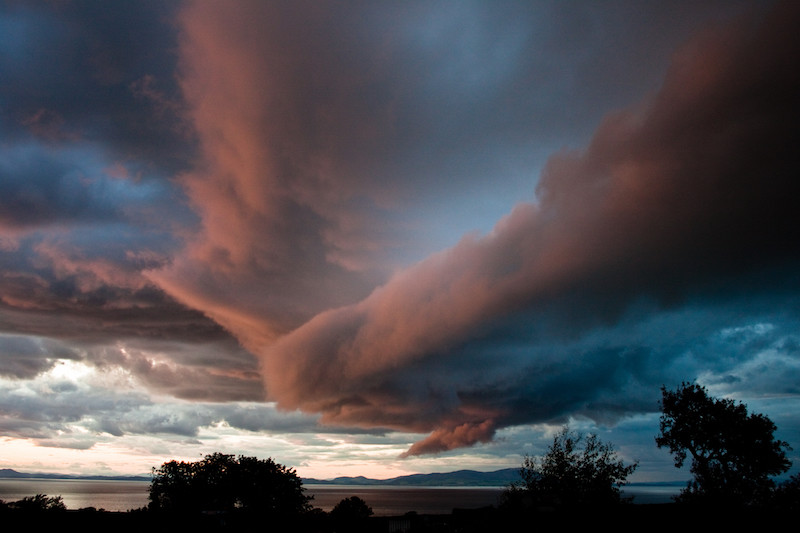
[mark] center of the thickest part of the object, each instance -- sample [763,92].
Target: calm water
[78,493]
[384,500]
[394,501]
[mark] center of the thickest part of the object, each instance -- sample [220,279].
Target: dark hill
[460,478]
[7,473]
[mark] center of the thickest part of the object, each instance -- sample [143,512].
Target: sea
[120,496]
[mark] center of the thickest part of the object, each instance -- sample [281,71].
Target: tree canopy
[577,470]
[733,454]
[222,482]
[352,508]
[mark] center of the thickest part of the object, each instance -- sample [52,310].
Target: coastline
[124,495]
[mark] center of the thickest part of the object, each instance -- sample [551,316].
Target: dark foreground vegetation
[575,483]
[633,517]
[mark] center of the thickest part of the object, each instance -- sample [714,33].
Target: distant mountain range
[7,473]
[461,478]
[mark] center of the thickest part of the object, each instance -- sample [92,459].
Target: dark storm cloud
[87,112]
[682,202]
[79,70]
[26,357]
[165,346]
[92,134]
[214,370]
[341,142]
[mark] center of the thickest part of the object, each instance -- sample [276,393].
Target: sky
[381,238]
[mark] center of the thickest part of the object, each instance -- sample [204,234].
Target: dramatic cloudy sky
[376,238]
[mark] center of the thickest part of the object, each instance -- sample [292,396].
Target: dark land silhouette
[488,519]
[575,483]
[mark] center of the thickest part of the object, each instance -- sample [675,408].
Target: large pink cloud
[288,214]
[693,185]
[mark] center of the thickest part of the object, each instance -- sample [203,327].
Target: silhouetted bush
[577,470]
[39,503]
[787,494]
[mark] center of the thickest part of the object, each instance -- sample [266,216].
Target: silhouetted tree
[352,508]
[266,484]
[733,453]
[351,514]
[220,482]
[39,503]
[577,470]
[173,487]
